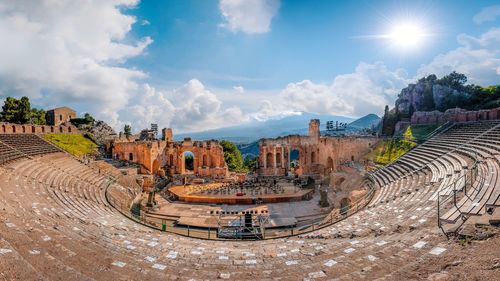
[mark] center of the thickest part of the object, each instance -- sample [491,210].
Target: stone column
[282,157]
[274,157]
[289,161]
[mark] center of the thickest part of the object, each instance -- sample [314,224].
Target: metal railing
[466,185]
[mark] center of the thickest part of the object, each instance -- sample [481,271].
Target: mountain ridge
[290,125]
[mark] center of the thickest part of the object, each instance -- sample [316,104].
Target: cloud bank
[57,56]
[248,16]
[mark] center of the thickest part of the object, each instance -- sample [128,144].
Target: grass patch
[390,150]
[75,144]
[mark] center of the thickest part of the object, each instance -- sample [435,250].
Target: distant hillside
[250,132]
[249,148]
[366,121]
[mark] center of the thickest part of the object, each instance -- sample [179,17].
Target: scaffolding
[245,226]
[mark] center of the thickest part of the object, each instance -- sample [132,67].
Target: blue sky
[196,65]
[308,40]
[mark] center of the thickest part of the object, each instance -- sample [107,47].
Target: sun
[407,35]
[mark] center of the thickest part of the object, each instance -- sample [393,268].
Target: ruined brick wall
[454,115]
[10,128]
[317,155]
[168,156]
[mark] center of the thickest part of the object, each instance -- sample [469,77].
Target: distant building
[57,116]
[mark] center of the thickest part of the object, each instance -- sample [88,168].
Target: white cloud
[249,16]
[69,53]
[190,107]
[487,14]
[239,89]
[269,110]
[476,57]
[367,90]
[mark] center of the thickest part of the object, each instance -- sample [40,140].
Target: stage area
[254,192]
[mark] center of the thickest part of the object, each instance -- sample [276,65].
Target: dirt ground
[477,260]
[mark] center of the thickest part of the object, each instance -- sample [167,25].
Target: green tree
[88,118]
[453,80]
[388,122]
[127,130]
[16,111]
[232,156]
[250,162]
[37,116]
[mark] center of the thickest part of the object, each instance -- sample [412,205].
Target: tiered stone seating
[55,223]
[7,153]
[29,144]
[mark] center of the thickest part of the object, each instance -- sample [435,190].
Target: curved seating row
[56,224]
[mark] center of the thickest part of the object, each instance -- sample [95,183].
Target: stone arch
[131,156]
[188,161]
[329,163]
[345,205]
[313,157]
[43,129]
[23,128]
[13,128]
[3,129]
[51,129]
[269,160]
[212,162]
[33,130]
[204,160]
[60,129]
[294,159]
[278,159]
[69,129]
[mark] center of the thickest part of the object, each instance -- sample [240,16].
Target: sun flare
[407,35]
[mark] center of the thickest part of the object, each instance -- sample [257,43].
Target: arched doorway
[278,160]
[204,161]
[329,163]
[313,157]
[188,162]
[294,158]
[269,160]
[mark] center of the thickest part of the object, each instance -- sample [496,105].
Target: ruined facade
[10,128]
[316,154]
[167,157]
[454,115]
[58,116]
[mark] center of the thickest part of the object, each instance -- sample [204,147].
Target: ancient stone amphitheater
[57,222]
